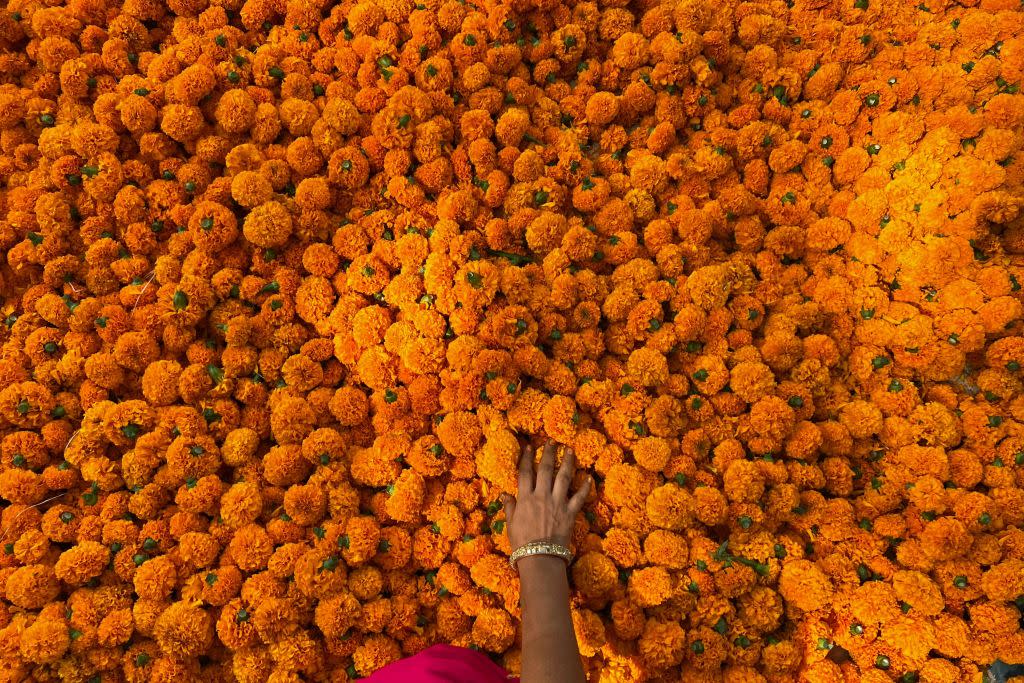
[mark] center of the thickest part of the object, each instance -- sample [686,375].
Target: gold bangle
[540,548]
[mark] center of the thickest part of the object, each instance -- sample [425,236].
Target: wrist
[542,579]
[560,539]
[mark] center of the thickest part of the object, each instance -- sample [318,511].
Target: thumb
[509,503]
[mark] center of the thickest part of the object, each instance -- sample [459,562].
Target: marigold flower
[625,487]
[250,547]
[155,579]
[1002,580]
[652,453]
[32,586]
[623,547]
[662,644]
[743,481]
[650,586]
[361,538]
[305,504]
[647,366]
[375,652]
[82,562]
[268,225]
[594,574]
[44,641]
[804,585]
[497,460]
[944,538]
[459,433]
[337,614]
[239,446]
[628,619]
[492,630]
[182,630]
[670,507]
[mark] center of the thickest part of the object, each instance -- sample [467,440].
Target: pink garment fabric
[443,664]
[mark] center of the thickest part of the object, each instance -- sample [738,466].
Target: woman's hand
[543,510]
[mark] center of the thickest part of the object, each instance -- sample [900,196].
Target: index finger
[526,469]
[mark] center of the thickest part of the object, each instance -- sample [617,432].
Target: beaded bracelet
[540,548]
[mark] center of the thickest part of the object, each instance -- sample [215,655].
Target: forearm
[550,653]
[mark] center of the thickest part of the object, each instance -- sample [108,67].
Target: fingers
[545,471]
[509,503]
[526,470]
[564,477]
[580,497]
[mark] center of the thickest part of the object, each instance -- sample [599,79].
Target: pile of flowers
[286,283]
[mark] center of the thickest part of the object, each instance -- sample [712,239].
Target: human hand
[542,510]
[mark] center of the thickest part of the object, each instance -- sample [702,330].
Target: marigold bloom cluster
[286,285]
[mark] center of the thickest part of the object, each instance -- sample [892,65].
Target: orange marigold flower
[375,652]
[804,585]
[662,644]
[493,630]
[594,574]
[182,630]
[650,586]
[44,641]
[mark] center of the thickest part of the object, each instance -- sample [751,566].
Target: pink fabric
[443,664]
